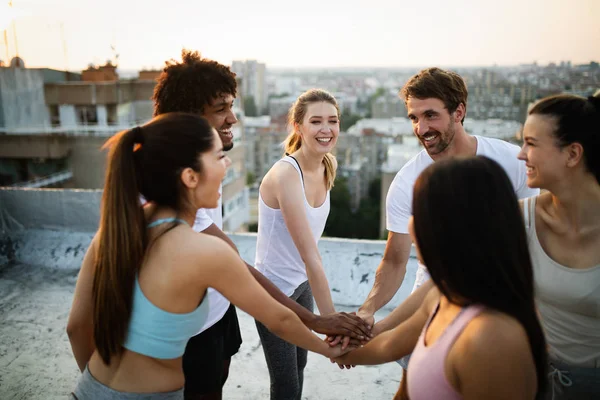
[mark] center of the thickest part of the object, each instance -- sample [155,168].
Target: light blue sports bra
[157,333]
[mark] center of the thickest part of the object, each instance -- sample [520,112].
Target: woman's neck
[311,162]
[155,212]
[577,202]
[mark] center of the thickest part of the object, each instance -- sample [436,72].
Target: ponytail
[330,169]
[122,242]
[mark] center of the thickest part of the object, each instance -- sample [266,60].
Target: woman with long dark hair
[476,335]
[141,291]
[562,152]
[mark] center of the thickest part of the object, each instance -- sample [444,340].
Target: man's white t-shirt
[217,303]
[400,194]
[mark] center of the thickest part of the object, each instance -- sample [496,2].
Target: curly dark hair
[192,84]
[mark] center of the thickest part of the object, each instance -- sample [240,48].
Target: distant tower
[17,62]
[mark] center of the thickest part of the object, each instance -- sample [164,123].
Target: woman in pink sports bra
[476,334]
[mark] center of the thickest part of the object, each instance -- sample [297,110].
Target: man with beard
[205,87]
[436,102]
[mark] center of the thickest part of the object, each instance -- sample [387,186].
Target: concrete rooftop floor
[36,360]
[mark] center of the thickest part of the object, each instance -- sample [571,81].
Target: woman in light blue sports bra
[140,294]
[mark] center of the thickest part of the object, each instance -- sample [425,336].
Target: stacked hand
[349,343]
[342,324]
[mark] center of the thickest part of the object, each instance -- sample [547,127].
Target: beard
[443,140]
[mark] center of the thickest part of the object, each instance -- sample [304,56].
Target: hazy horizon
[311,35]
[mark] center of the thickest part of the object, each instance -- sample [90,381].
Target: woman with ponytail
[562,152]
[141,291]
[476,335]
[293,208]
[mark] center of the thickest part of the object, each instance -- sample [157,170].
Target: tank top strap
[292,160]
[529,212]
[455,328]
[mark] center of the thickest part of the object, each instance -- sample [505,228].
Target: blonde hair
[295,117]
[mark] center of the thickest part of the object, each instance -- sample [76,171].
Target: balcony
[44,235]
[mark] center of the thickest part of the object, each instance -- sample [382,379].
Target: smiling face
[433,124]
[202,184]
[545,160]
[221,116]
[320,127]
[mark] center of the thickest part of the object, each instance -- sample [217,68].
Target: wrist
[311,320]
[366,310]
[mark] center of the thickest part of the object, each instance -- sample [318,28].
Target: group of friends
[506,302]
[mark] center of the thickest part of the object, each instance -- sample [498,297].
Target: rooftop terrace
[43,237]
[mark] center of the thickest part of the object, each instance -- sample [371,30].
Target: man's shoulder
[497,146]
[413,167]
[501,151]
[404,180]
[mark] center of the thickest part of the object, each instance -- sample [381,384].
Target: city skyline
[73,34]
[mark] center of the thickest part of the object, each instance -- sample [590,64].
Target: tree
[347,120]
[339,222]
[362,224]
[250,108]
[250,178]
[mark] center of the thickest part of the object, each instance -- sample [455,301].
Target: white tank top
[277,257]
[568,301]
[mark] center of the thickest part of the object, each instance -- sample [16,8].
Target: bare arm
[494,361]
[394,344]
[287,188]
[224,270]
[389,275]
[407,308]
[80,326]
[333,324]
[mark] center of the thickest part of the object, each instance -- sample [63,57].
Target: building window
[54,115]
[86,115]
[111,114]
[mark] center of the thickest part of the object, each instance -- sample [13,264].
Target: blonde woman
[293,209]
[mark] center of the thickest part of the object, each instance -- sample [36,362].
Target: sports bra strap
[299,168]
[164,221]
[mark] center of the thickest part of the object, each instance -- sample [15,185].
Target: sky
[70,34]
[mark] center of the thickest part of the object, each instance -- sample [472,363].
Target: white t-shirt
[400,194]
[217,303]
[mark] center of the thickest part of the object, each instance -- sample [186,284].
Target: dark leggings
[286,361]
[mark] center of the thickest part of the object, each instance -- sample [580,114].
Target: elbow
[282,325]
[71,329]
[74,330]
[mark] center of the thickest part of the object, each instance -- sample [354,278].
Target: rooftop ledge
[44,234]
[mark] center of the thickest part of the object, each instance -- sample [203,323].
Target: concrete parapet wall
[53,228]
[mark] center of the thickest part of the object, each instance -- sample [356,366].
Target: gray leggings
[286,361]
[89,388]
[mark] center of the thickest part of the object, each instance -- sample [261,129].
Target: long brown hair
[471,235]
[295,117]
[163,148]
